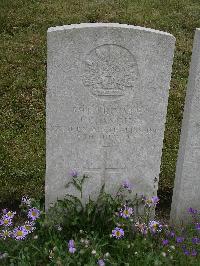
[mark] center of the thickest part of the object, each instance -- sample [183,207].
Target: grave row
[106,106]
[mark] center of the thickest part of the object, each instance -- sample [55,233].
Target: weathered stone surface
[187,183]
[107,93]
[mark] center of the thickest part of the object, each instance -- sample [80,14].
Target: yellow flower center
[19,233]
[6,222]
[28,227]
[34,213]
[118,233]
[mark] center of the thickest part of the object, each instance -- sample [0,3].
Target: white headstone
[107,94]
[187,183]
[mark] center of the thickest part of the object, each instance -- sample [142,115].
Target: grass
[23,26]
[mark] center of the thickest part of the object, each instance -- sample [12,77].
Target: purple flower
[165,242]
[126,184]
[197,226]
[126,212]
[72,250]
[195,240]
[172,234]
[20,233]
[73,173]
[33,213]
[149,202]
[101,262]
[4,211]
[179,239]
[5,234]
[192,211]
[29,226]
[9,214]
[118,232]
[155,227]
[194,253]
[144,230]
[71,246]
[71,243]
[155,200]
[6,221]
[186,252]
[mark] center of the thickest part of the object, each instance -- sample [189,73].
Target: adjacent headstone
[187,183]
[107,93]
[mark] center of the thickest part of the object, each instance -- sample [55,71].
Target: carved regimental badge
[110,72]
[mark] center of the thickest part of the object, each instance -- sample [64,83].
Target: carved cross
[105,167]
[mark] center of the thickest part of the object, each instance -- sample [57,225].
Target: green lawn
[23,26]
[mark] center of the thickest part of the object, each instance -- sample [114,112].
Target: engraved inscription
[110,72]
[110,135]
